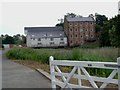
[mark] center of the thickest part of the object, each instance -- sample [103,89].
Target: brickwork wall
[78,32]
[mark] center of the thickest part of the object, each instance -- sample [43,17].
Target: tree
[71,14]
[60,24]
[104,37]
[16,39]
[8,40]
[102,30]
[100,19]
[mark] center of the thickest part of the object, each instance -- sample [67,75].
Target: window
[39,39]
[33,38]
[76,35]
[70,29]
[91,29]
[76,42]
[81,36]
[61,42]
[75,24]
[71,35]
[81,30]
[51,43]
[86,29]
[76,29]
[61,39]
[51,39]
[91,36]
[60,34]
[39,43]
[91,23]
[70,24]
[71,41]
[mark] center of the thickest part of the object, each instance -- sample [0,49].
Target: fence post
[118,60]
[52,69]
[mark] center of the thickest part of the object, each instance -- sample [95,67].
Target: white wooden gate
[80,73]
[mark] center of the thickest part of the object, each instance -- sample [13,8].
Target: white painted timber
[84,64]
[82,73]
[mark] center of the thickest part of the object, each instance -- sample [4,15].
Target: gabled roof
[43,29]
[38,32]
[73,19]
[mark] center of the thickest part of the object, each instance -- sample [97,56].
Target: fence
[80,73]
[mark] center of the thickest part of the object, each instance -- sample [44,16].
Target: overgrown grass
[42,55]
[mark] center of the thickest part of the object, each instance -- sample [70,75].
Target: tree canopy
[16,39]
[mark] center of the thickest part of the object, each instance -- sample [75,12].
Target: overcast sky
[17,15]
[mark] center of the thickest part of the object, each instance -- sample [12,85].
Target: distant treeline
[108,30]
[16,39]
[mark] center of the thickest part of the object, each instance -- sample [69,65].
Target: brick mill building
[76,31]
[79,29]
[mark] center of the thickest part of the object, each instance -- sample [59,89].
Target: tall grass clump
[81,54]
[27,54]
[77,54]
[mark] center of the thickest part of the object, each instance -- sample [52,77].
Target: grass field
[42,55]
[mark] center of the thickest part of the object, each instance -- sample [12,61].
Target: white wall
[45,42]
[6,45]
[28,41]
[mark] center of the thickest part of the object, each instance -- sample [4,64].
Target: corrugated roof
[38,32]
[73,19]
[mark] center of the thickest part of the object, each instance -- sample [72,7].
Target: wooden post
[52,69]
[118,60]
[79,79]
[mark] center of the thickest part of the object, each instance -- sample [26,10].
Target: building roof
[38,32]
[73,19]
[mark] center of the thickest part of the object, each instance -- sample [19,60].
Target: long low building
[45,37]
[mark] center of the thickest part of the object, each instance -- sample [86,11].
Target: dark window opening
[51,39]
[61,39]
[39,43]
[51,43]
[76,42]
[61,42]
[33,38]
[39,39]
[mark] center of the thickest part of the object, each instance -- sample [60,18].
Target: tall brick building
[79,29]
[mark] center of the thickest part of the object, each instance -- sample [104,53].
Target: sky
[17,15]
